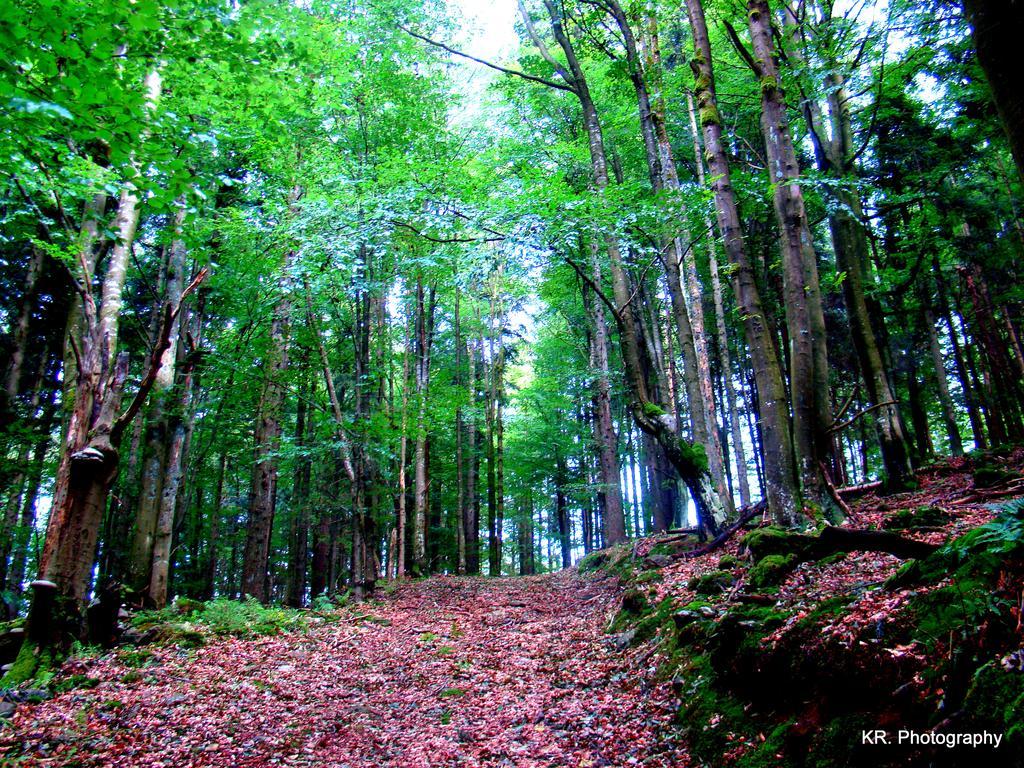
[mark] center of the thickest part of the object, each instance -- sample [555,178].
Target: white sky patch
[487,31]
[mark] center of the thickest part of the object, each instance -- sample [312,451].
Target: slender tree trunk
[780,478]
[460,500]
[941,384]
[720,326]
[562,511]
[403,456]
[812,413]
[424,323]
[835,154]
[263,491]
[689,461]
[471,509]
[604,431]
[680,265]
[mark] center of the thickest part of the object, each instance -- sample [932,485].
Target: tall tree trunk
[471,502]
[931,324]
[263,490]
[722,335]
[460,493]
[495,344]
[424,333]
[299,539]
[161,427]
[604,430]
[780,478]
[562,511]
[678,256]
[812,412]
[402,533]
[997,27]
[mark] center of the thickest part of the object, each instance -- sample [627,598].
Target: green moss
[769,84]
[593,562]
[635,602]
[709,115]
[615,561]
[995,697]
[660,618]
[728,562]
[32,663]
[187,607]
[136,658]
[74,682]
[835,557]
[647,577]
[917,518]
[771,570]
[652,410]
[989,475]
[712,583]
[774,540]
[694,455]
[672,548]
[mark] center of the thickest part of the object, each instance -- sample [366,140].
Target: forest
[698,323]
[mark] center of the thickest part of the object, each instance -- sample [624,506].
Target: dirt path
[445,672]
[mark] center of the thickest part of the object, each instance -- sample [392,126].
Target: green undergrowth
[796,682]
[190,622]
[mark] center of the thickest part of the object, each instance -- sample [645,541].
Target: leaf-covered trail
[445,672]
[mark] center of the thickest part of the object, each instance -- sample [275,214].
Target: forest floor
[527,671]
[443,672]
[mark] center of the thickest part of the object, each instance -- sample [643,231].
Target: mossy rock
[593,562]
[728,562]
[635,602]
[996,697]
[672,548]
[771,570]
[614,561]
[659,617]
[712,583]
[775,540]
[835,557]
[989,475]
[922,517]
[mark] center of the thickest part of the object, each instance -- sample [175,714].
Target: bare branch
[492,65]
[156,356]
[596,289]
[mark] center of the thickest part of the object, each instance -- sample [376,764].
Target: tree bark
[780,478]
[812,412]
[997,27]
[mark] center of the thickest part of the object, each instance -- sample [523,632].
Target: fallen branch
[833,492]
[746,515]
[856,491]
[833,539]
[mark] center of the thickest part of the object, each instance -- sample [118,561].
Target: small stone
[659,561]
[707,611]
[7,708]
[623,640]
[682,618]
[177,698]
